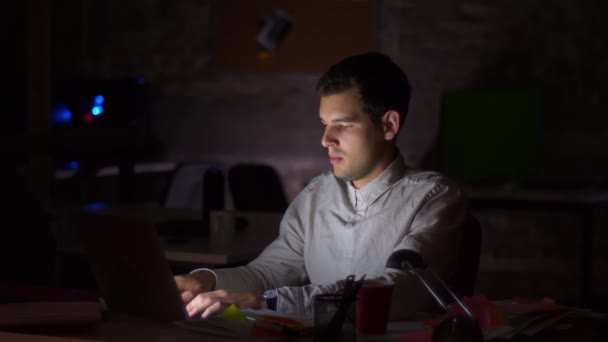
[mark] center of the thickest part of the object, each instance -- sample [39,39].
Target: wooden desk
[262,228]
[124,328]
[117,329]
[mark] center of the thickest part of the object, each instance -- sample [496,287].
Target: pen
[349,295]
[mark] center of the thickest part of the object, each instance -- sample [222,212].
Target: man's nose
[328,139]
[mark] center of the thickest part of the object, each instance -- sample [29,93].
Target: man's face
[356,146]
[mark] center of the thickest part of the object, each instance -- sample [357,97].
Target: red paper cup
[373,306]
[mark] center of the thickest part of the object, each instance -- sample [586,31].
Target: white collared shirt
[332,230]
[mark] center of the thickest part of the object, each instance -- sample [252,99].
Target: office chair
[463,281]
[197,186]
[192,184]
[256,187]
[184,188]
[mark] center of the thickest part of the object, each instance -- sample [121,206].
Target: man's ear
[390,124]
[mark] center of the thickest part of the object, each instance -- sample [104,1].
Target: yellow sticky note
[232,313]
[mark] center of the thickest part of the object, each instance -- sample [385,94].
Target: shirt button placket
[349,242]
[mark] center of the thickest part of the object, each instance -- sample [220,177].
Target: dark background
[206,105]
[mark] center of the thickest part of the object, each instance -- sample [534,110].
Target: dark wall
[443,45]
[67,35]
[14,63]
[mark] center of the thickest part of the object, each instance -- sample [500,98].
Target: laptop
[132,274]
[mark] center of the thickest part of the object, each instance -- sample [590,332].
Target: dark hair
[382,83]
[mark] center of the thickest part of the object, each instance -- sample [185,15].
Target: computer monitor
[130,267]
[490,136]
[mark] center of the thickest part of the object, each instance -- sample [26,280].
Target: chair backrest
[463,281]
[256,187]
[195,186]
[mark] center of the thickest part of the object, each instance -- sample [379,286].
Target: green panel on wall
[490,136]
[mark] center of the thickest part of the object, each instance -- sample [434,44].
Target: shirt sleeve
[435,234]
[280,264]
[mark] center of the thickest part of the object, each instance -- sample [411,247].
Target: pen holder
[334,318]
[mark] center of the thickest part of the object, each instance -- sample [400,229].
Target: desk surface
[119,328]
[125,328]
[261,230]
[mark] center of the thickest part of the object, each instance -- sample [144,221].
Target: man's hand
[208,303]
[190,285]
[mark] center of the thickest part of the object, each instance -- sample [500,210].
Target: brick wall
[442,44]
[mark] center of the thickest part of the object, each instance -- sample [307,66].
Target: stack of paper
[506,319]
[524,317]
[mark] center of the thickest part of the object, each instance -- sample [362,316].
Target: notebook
[131,271]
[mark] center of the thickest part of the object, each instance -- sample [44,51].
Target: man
[351,220]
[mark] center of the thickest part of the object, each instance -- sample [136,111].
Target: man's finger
[194,306]
[187,296]
[180,281]
[199,304]
[213,308]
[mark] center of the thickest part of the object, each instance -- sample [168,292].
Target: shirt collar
[374,189]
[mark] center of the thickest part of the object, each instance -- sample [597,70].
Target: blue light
[96,206]
[73,165]
[61,115]
[97,110]
[140,81]
[98,100]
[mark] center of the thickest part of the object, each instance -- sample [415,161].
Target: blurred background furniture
[463,281]
[256,187]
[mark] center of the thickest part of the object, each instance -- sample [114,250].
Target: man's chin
[342,175]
